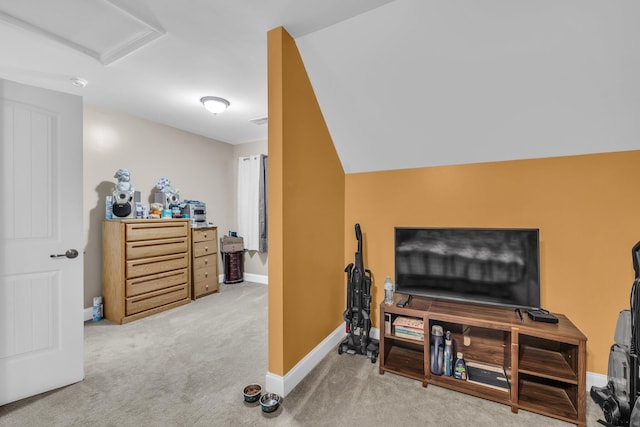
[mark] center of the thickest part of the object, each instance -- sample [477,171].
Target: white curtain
[249,201]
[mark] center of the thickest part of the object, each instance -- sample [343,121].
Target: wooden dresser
[204,250]
[145,267]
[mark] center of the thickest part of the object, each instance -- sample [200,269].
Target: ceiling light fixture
[214,104]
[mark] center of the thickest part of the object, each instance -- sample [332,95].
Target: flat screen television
[496,266]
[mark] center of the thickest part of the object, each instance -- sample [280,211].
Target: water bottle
[388,291]
[448,354]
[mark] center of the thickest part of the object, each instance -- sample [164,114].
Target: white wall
[203,169]
[254,262]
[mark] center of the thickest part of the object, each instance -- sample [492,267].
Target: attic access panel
[101,29]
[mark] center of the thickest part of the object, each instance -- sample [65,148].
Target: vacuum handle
[359,238]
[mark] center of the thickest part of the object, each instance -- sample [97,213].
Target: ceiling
[155,59]
[402,84]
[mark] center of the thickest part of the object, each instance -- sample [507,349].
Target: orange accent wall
[306,213]
[586,207]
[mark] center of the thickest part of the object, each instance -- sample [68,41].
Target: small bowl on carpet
[270,402]
[252,392]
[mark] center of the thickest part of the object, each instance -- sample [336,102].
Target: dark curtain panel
[263,204]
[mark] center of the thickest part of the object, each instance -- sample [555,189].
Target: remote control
[404,301]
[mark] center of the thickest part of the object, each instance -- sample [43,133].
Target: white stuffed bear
[124,180]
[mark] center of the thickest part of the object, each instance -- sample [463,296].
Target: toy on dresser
[155,210]
[167,194]
[124,197]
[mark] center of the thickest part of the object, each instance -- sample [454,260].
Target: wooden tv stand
[545,364]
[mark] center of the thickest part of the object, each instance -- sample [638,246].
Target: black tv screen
[497,266]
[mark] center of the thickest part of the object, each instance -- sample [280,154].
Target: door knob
[70,253]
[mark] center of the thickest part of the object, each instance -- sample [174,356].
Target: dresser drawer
[156,299]
[204,261]
[204,248]
[144,267]
[204,235]
[145,284]
[156,230]
[151,248]
[205,286]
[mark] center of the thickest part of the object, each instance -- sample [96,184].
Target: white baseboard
[284,385]
[598,380]
[249,277]
[88,314]
[256,278]
[374,333]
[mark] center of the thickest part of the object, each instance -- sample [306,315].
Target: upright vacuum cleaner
[619,398]
[357,314]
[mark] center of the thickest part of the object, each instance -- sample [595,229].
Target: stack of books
[409,327]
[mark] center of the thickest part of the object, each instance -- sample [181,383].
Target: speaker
[124,203]
[167,199]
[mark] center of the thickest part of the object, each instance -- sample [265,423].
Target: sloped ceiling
[425,82]
[402,84]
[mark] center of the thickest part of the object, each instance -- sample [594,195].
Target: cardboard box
[231,244]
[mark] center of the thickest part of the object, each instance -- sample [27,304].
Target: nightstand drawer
[208,285]
[156,282]
[156,230]
[204,273]
[204,261]
[205,235]
[151,248]
[143,267]
[204,248]
[156,299]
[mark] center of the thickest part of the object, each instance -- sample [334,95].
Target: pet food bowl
[270,402]
[252,392]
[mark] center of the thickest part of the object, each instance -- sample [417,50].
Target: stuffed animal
[169,194]
[164,185]
[124,180]
[155,210]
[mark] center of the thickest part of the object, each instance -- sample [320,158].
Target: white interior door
[41,297]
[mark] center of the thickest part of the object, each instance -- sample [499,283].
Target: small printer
[197,212]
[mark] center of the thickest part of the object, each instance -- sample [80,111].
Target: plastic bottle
[97,308]
[460,368]
[109,207]
[437,350]
[388,291]
[448,356]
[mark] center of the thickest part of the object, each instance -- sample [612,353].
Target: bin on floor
[233,267]
[232,250]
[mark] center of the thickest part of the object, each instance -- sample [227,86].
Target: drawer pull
[206,248]
[206,261]
[205,235]
[206,274]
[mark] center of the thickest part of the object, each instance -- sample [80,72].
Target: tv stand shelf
[545,364]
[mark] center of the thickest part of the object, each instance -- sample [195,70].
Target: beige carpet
[188,366]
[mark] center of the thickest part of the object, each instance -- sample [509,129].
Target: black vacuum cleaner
[357,314]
